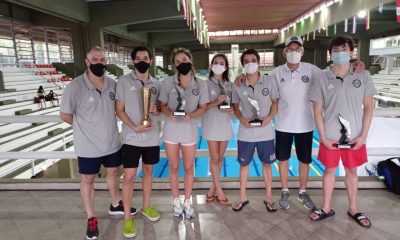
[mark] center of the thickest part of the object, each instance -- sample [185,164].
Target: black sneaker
[92,231]
[119,210]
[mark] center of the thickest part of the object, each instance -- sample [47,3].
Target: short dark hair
[249,52]
[341,41]
[140,49]
[225,74]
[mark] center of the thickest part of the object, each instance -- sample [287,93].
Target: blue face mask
[340,58]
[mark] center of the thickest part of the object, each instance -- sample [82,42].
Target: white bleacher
[388,85]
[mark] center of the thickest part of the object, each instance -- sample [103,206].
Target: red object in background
[398,10]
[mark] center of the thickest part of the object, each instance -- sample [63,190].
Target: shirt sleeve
[69,98]
[274,87]
[204,96]
[120,94]
[316,90]
[235,95]
[369,89]
[163,97]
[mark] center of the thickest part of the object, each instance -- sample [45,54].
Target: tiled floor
[58,215]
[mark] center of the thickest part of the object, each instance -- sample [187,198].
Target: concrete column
[166,58]
[389,64]
[363,51]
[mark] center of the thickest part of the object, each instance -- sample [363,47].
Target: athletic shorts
[89,166]
[132,154]
[302,143]
[265,151]
[350,158]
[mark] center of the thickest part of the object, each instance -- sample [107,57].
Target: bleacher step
[23,111]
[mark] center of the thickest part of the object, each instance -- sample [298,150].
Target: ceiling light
[362,14]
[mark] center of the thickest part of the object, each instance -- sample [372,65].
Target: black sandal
[322,214]
[242,204]
[358,217]
[270,206]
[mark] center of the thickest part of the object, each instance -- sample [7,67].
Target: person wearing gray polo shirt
[139,141]
[183,98]
[88,104]
[255,104]
[216,123]
[343,109]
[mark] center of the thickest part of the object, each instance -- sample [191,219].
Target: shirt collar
[297,70]
[151,79]
[260,80]
[176,81]
[331,74]
[89,83]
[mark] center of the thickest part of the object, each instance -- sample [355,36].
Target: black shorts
[302,142]
[91,166]
[132,154]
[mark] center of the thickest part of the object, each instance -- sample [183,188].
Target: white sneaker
[177,210]
[189,211]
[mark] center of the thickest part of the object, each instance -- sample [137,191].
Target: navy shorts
[89,166]
[302,142]
[265,151]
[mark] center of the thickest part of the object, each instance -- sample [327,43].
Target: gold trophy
[146,95]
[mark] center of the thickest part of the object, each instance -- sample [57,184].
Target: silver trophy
[228,102]
[180,108]
[345,133]
[256,122]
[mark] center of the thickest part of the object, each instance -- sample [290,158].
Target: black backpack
[391,173]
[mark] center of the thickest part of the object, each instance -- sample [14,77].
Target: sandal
[239,205]
[322,214]
[223,202]
[210,198]
[358,217]
[270,206]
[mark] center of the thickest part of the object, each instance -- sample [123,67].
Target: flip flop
[224,202]
[210,198]
[242,204]
[358,217]
[270,206]
[322,214]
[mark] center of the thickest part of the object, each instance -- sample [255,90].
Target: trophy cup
[227,103]
[345,131]
[180,108]
[146,95]
[256,122]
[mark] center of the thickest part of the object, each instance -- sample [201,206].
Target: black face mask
[98,69]
[184,68]
[142,66]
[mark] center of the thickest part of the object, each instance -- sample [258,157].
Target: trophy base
[344,146]
[146,123]
[224,106]
[176,113]
[255,123]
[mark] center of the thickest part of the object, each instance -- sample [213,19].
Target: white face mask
[251,68]
[293,57]
[218,69]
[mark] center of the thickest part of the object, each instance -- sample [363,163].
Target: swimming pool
[230,166]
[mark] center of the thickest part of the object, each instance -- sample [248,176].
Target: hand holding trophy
[256,122]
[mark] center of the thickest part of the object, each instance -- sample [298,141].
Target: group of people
[295,95]
[42,97]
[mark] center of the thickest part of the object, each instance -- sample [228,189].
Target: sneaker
[151,213]
[129,228]
[92,231]
[306,200]
[177,210]
[284,201]
[189,211]
[119,210]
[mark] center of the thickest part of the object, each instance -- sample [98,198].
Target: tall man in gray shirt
[88,104]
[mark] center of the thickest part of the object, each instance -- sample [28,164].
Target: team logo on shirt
[195,92]
[356,83]
[305,79]
[265,91]
[154,90]
[112,95]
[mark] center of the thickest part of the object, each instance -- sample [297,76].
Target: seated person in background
[52,96]
[42,96]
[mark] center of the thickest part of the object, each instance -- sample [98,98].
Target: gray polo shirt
[196,93]
[264,91]
[129,93]
[295,113]
[344,98]
[216,125]
[94,120]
